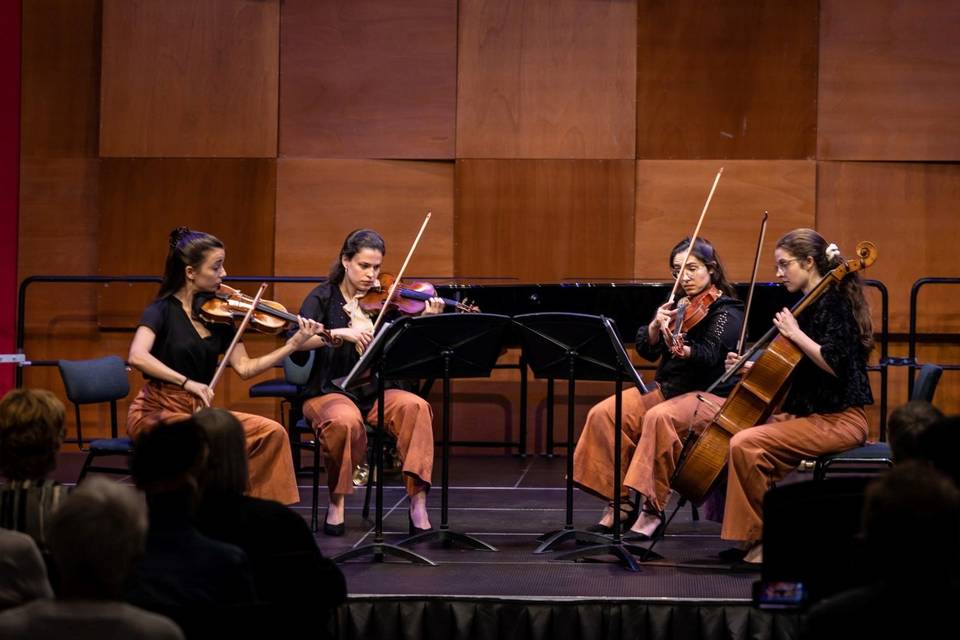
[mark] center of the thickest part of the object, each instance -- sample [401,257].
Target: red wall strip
[9,180]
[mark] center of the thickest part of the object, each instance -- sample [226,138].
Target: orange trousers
[762,455]
[268,449]
[593,456]
[339,426]
[664,428]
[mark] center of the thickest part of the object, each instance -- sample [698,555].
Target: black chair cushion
[879,451]
[111,445]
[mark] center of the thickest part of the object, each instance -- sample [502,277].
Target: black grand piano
[630,304]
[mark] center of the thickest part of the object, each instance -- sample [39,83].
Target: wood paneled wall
[551,139]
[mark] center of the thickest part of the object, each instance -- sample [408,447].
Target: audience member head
[906,423]
[95,537]
[227,463]
[170,458]
[939,444]
[915,500]
[31,430]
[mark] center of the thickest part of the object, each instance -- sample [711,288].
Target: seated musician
[684,367]
[823,411]
[177,351]
[337,417]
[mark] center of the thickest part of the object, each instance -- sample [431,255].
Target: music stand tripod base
[447,346]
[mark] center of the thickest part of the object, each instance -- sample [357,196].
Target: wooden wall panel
[368,79]
[889,80]
[544,220]
[726,79]
[141,200]
[909,211]
[60,78]
[190,79]
[671,194]
[320,201]
[547,79]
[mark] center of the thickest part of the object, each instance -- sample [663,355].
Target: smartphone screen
[778,594]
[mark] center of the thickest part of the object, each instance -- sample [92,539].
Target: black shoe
[333,529]
[733,554]
[628,515]
[637,536]
[414,529]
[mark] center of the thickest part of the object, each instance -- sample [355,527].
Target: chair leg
[315,506]
[86,466]
[372,463]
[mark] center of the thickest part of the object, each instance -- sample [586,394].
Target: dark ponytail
[355,241]
[187,249]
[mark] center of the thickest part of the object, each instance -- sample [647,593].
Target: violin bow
[237,335]
[753,283]
[696,232]
[396,281]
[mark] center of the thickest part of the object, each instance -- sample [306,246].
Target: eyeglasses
[781,265]
[691,269]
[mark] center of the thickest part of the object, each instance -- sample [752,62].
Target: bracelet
[183,385]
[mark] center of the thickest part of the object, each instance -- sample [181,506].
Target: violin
[410,298]
[690,311]
[229,306]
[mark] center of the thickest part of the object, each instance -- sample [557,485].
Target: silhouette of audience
[95,538]
[31,431]
[287,565]
[911,532]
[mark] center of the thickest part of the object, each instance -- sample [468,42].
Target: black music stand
[578,346]
[378,360]
[462,345]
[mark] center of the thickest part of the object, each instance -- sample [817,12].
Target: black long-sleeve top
[325,305]
[709,341]
[830,323]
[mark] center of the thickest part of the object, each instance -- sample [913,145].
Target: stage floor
[508,502]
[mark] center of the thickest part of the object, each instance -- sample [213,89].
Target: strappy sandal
[628,515]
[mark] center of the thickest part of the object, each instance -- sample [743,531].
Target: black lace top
[830,323]
[709,341]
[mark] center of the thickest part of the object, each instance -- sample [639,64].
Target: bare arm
[141,359]
[247,367]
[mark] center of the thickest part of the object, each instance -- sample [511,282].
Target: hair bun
[176,235]
[832,251]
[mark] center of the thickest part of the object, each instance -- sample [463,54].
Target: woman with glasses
[688,362]
[823,410]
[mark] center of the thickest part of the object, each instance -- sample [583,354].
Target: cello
[756,396]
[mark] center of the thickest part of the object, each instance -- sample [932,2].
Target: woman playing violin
[338,418]
[824,409]
[685,365]
[178,352]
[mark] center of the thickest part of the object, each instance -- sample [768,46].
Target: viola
[410,298]
[759,392]
[690,311]
[229,306]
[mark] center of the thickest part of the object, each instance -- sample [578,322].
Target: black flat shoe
[414,529]
[733,554]
[333,529]
[637,536]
